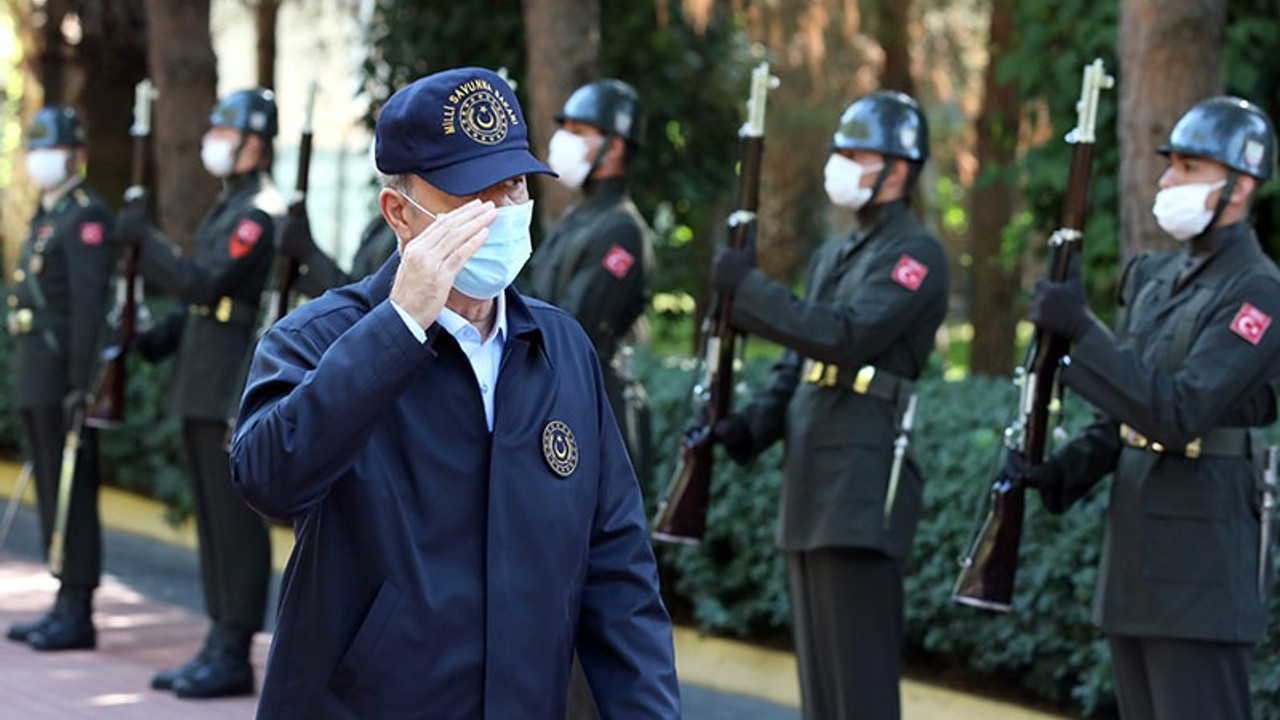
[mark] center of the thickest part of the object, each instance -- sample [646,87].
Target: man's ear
[395,210]
[1243,192]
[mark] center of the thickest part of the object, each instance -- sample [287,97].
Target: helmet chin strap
[1223,198]
[599,158]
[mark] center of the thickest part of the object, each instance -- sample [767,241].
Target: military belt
[866,380]
[22,321]
[227,310]
[1226,442]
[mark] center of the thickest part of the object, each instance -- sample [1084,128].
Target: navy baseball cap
[460,130]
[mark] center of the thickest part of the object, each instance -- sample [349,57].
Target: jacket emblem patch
[559,448]
[245,237]
[618,261]
[1250,323]
[91,233]
[909,272]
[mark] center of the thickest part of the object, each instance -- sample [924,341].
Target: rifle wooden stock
[682,512]
[990,567]
[106,399]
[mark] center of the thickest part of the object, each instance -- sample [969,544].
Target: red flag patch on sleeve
[91,233]
[909,272]
[618,261]
[1250,323]
[245,237]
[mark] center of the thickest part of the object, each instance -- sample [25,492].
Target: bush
[734,583]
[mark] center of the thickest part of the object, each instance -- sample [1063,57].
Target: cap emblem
[479,111]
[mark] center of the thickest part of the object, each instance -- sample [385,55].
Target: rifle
[105,404]
[682,513]
[990,566]
[287,267]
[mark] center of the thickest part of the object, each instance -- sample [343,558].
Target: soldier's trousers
[846,609]
[235,548]
[82,544]
[1169,679]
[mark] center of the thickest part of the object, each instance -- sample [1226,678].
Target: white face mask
[842,178]
[1181,210]
[567,156]
[219,157]
[48,167]
[503,255]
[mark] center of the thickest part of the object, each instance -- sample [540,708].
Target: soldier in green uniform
[56,316]
[220,284]
[596,260]
[1182,385]
[840,396]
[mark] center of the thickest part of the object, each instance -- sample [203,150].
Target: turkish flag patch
[245,237]
[91,233]
[618,261]
[909,272]
[1251,323]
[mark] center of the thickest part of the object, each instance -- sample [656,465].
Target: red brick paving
[136,637]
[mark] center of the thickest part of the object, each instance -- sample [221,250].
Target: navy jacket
[442,571]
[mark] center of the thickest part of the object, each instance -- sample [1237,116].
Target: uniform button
[18,275]
[13,301]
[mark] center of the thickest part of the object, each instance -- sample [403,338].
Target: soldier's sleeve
[1229,360]
[624,631]
[203,281]
[766,414]
[610,281]
[1089,457]
[90,258]
[897,291]
[319,273]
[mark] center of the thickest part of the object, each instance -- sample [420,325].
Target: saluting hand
[430,262]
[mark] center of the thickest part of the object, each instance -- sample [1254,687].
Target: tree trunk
[562,39]
[113,57]
[992,203]
[56,56]
[268,14]
[184,69]
[894,25]
[1170,58]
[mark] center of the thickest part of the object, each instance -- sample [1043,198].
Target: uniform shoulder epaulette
[81,197]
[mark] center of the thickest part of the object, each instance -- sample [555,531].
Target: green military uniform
[1190,362]
[56,315]
[874,300]
[595,264]
[319,272]
[221,284]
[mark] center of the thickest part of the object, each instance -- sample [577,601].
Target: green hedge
[734,584]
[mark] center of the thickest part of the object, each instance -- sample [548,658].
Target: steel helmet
[1230,130]
[887,122]
[55,126]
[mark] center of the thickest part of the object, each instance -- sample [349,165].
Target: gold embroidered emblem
[480,112]
[559,448]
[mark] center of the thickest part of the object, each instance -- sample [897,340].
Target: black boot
[164,679]
[225,670]
[20,631]
[70,625]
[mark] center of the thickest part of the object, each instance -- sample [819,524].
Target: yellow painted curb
[719,664]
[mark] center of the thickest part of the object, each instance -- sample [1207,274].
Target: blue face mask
[503,255]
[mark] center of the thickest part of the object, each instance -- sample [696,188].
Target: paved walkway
[148,617]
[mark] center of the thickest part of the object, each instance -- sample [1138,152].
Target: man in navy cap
[466,515]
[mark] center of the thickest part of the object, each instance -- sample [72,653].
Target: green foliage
[1055,41]
[735,583]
